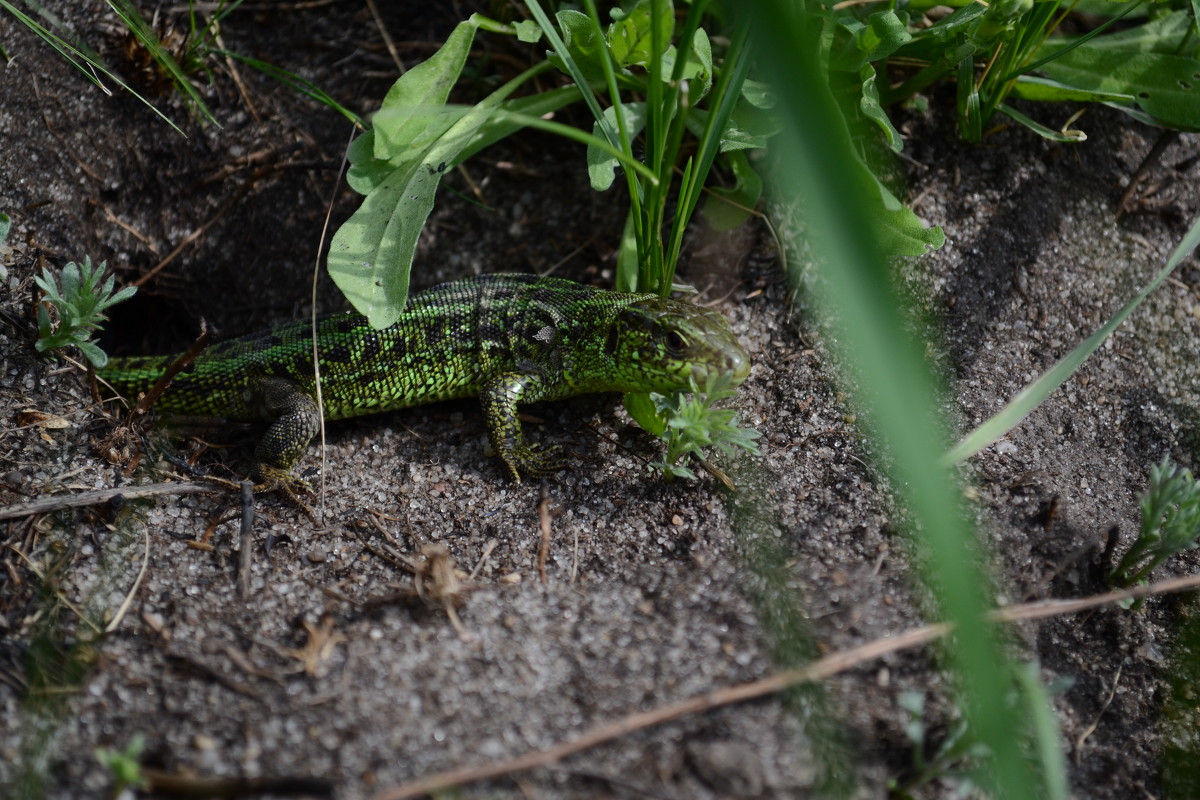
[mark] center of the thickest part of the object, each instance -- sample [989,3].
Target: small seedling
[954,758]
[79,306]
[123,764]
[694,423]
[1170,523]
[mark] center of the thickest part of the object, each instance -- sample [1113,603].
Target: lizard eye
[674,342]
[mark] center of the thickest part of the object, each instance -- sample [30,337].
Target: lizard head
[657,344]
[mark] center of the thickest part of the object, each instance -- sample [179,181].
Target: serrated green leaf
[5,226]
[900,230]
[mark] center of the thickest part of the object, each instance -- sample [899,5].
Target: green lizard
[508,339]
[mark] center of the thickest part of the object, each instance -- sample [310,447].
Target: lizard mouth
[734,362]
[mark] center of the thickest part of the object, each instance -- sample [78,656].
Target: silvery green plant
[79,303]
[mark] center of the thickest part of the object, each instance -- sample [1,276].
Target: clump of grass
[79,307]
[1170,523]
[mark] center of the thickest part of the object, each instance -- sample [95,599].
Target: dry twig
[817,670]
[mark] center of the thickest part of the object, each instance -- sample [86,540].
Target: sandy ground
[652,593]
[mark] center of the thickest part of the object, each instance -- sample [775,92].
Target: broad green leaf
[631,37]
[758,94]
[885,33]
[644,413]
[501,125]
[365,172]
[602,166]
[899,229]
[528,31]
[370,257]
[5,226]
[1166,87]
[697,70]
[1167,34]
[583,42]
[425,86]
[749,127]
[1036,393]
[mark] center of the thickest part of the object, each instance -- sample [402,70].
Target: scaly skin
[507,339]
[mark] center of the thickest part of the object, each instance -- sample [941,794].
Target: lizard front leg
[294,421]
[500,397]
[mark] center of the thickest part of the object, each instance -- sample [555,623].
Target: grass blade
[1035,393]
[897,392]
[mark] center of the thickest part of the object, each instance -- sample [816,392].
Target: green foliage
[80,307]
[1170,523]
[124,764]
[692,422]
[954,757]
[991,50]
[961,758]
[659,84]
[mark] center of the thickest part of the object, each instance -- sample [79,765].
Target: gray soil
[333,670]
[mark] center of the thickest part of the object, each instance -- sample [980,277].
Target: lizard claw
[534,460]
[272,479]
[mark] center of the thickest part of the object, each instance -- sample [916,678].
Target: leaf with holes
[1167,87]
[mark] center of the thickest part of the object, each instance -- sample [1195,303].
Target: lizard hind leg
[294,421]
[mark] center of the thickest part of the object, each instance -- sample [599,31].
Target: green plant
[1170,523]
[960,757]
[653,80]
[955,756]
[691,422]
[991,51]
[124,765]
[79,306]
